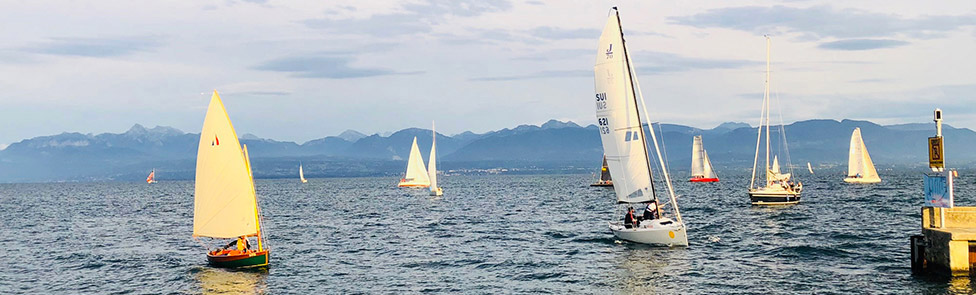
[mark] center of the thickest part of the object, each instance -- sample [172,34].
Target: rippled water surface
[487,234]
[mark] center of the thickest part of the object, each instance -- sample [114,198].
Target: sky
[302,70]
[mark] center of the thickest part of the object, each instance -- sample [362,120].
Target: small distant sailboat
[432,165]
[701,167]
[605,179]
[778,188]
[152,176]
[810,168]
[860,168]
[301,173]
[624,143]
[416,175]
[225,205]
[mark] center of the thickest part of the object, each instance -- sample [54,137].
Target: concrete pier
[946,246]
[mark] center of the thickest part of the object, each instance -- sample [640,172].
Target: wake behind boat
[625,146]
[860,168]
[701,167]
[225,205]
[778,188]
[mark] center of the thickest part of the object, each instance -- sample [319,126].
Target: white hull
[662,232]
[862,180]
[437,192]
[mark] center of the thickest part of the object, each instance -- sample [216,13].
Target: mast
[766,108]
[633,92]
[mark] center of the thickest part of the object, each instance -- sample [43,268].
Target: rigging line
[782,127]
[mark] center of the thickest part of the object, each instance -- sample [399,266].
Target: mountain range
[553,147]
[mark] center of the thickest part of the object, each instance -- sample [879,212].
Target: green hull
[239,261]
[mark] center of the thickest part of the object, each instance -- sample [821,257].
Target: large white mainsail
[416,175]
[225,205]
[618,100]
[301,173]
[620,127]
[859,164]
[432,164]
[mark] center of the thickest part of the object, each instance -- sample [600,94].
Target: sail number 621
[604,125]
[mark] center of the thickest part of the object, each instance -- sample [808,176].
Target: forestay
[617,117]
[225,205]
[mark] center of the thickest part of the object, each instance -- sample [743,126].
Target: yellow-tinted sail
[224,200]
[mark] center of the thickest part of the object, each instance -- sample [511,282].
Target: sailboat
[152,176]
[301,173]
[225,205]
[809,168]
[624,143]
[860,168]
[701,167]
[432,165]
[416,175]
[605,179]
[778,188]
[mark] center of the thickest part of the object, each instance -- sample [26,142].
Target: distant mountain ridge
[552,146]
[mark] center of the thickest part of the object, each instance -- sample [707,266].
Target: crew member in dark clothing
[650,212]
[630,221]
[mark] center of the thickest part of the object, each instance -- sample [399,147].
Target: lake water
[487,234]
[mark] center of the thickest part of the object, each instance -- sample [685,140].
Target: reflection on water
[643,268]
[222,281]
[960,285]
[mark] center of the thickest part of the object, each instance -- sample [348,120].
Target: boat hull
[437,192]
[661,232]
[704,179]
[251,259]
[861,180]
[760,197]
[603,183]
[413,185]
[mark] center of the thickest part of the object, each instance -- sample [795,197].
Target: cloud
[871,80]
[650,62]
[417,19]
[95,47]
[552,33]
[862,44]
[823,21]
[328,67]
[537,75]
[556,54]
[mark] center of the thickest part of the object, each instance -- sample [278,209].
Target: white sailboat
[624,143]
[778,188]
[809,168]
[225,203]
[860,168]
[152,176]
[416,175]
[301,173]
[701,167]
[432,165]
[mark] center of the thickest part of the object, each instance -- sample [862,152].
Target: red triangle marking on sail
[217,140]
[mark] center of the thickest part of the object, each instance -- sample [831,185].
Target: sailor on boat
[243,246]
[650,212]
[631,221]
